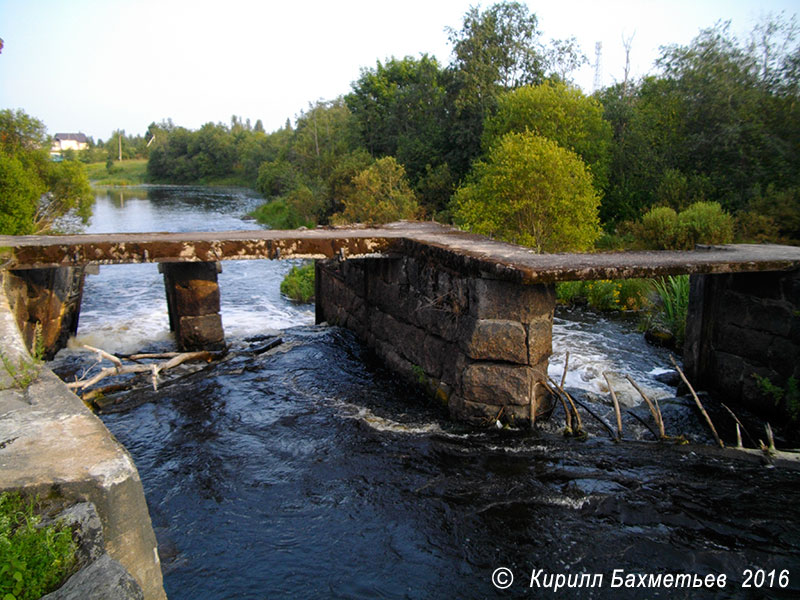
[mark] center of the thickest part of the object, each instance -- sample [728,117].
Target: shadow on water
[309,471]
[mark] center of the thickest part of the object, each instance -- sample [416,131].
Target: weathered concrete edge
[51,443]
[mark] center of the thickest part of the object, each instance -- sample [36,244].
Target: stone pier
[742,331]
[193,304]
[46,303]
[480,346]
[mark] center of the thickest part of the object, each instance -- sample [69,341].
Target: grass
[673,295]
[127,172]
[26,370]
[298,284]
[35,559]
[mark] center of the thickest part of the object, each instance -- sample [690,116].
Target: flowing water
[309,471]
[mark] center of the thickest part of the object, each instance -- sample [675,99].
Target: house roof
[78,137]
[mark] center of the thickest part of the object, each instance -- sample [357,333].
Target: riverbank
[132,172]
[51,445]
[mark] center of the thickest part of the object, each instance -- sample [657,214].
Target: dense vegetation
[706,146]
[34,558]
[36,192]
[705,149]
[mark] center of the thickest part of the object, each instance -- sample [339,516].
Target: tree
[533,192]
[495,50]
[559,112]
[379,194]
[34,191]
[400,109]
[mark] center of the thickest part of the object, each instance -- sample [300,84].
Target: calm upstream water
[309,471]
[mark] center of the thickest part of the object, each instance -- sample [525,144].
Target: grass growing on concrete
[26,370]
[34,559]
[299,283]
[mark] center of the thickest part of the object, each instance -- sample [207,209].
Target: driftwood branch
[654,408]
[577,415]
[617,412]
[699,404]
[153,368]
[643,422]
[739,426]
[598,417]
[103,354]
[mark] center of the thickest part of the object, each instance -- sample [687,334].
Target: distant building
[68,141]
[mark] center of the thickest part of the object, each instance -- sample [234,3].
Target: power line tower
[598,71]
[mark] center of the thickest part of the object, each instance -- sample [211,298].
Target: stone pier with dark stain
[479,346]
[193,304]
[46,303]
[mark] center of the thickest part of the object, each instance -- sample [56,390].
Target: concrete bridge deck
[473,315]
[463,252]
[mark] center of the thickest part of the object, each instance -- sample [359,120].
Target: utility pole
[119,137]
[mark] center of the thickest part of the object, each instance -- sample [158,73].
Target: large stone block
[197,297]
[497,299]
[495,340]
[201,333]
[497,383]
[540,338]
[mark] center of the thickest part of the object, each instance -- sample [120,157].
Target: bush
[530,191]
[298,284]
[658,229]
[379,194]
[661,228]
[704,223]
[34,559]
[605,294]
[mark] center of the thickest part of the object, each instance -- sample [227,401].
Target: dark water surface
[309,471]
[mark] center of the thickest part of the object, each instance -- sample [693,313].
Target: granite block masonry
[742,331]
[481,346]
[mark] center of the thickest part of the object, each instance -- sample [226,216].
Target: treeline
[501,142]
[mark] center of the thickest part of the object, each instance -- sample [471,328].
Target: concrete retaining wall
[50,443]
[479,345]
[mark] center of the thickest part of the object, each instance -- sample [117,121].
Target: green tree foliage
[533,192]
[34,191]
[721,122]
[400,109]
[19,195]
[379,194]
[559,112]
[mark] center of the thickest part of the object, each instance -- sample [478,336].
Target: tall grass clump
[34,559]
[673,305]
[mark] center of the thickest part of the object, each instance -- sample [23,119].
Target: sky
[93,66]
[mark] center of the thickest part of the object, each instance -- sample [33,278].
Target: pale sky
[97,65]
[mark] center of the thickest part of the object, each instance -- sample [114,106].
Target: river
[310,471]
